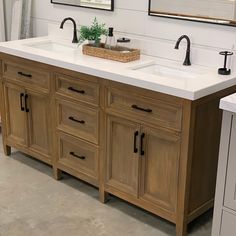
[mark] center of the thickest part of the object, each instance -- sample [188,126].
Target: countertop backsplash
[200,55]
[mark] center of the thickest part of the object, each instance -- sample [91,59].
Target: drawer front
[78,120]
[78,89]
[33,77]
[145,109]
[228,226]
[230,189]
[78,155]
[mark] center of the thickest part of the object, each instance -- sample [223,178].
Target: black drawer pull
[26,106]
[25,75]
[75,120]
[142,109]
[77,156]
[141,144]
[21,102]
[135,141]
[76,90]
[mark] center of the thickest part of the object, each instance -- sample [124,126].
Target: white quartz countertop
[188,88]
[229,103]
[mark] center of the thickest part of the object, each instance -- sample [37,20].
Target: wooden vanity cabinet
[142,159]
[151,149]
[162,151]
[27,113]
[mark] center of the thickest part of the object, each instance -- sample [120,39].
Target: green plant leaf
[94,32]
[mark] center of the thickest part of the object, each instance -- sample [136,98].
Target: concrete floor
[32,203]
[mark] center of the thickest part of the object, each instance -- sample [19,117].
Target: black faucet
[187,58]
[75,39]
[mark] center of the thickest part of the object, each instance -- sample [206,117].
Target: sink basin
[168,71]
[53,47]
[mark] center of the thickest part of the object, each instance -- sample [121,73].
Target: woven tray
[115,55]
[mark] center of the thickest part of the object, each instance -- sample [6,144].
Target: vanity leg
[7,150]
[57,174]
[103,196]
[181,228]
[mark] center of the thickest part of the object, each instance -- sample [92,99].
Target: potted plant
[93,33]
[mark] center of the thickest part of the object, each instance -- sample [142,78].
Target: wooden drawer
[37,78]
[145,109]
[78,155]
[78,120]
[228,226]
[78,89]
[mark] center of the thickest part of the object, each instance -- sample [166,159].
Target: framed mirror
[107,5]
[209,11]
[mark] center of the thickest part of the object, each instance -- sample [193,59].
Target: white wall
[160,34]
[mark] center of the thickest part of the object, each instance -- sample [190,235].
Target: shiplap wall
[154,35]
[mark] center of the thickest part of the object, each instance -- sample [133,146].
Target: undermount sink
[168,71]
[53,46]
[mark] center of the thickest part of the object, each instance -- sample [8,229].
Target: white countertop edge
[103,74]
[119,72]
[228,103]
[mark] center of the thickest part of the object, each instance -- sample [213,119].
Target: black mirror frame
[201,20]
[112,6]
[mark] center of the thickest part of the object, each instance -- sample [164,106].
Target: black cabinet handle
[76,90]
[142,109]
[77,156]
[135,141]
[25,75]
[26,106]
[21,102]
[75,120]
[141,144]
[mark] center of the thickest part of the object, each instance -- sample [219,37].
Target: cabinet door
[230,190]
[122,159]
[16,122]
[38,122]
[159,168]
[228,226]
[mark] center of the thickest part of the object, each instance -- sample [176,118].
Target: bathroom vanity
[225,207]
[151,141]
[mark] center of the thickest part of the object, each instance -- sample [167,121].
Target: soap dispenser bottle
[110,40]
